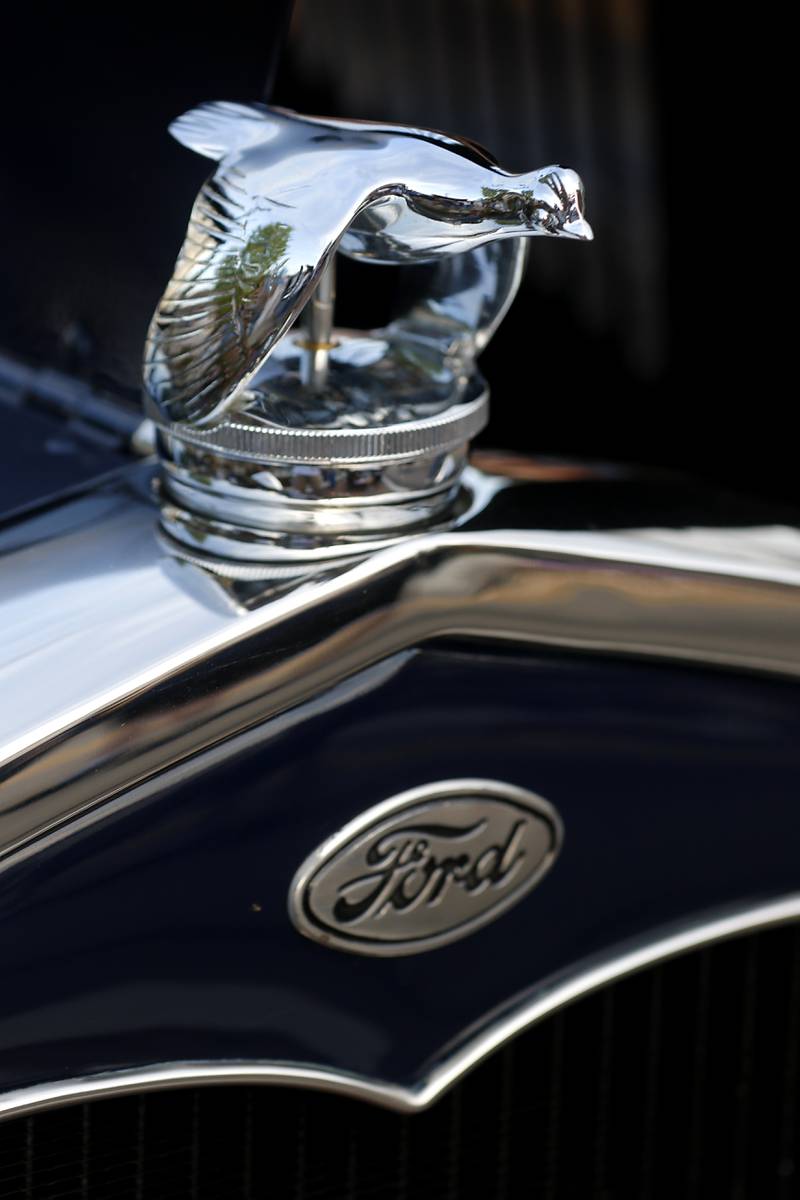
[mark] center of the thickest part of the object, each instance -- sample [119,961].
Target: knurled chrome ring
[235,437]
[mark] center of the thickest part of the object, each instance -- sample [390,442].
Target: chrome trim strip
[188,662]
[547,998]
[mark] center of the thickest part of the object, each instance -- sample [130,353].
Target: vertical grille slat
[556,1059]
[86,1142]
[700,1034]
[789,1155]
[604,1076]
[29,1134]
[651,1095]
[504,1140]
[744,1084]
[681,1081]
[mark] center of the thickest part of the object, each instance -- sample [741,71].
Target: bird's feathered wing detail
[219,127]
[248,263]
[233,292]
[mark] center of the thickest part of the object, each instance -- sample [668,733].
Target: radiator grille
[680,1082]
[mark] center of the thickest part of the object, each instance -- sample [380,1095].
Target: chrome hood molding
[476,1045]
[86,727]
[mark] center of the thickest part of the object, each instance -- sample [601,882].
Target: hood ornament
[258,423]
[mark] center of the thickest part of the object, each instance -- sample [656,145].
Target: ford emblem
[426,867]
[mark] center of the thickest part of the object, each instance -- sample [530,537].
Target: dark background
[658,343]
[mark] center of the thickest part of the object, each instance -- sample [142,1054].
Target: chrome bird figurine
[289,191]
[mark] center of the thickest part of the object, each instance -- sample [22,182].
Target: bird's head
[548,202]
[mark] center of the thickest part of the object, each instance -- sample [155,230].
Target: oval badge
[426,867]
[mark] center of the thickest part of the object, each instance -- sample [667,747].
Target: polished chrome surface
[293,502]
[302,514]
[318,341]
[425,867]
[540,1002]
[301,537]
[287,192]
[87,727]
[343,435]
[223,374]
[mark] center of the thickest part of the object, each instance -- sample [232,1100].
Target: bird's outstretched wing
[238,283]
[219,127]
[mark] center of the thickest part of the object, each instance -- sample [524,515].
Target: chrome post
[318,342]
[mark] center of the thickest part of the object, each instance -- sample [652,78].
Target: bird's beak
[580,230]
